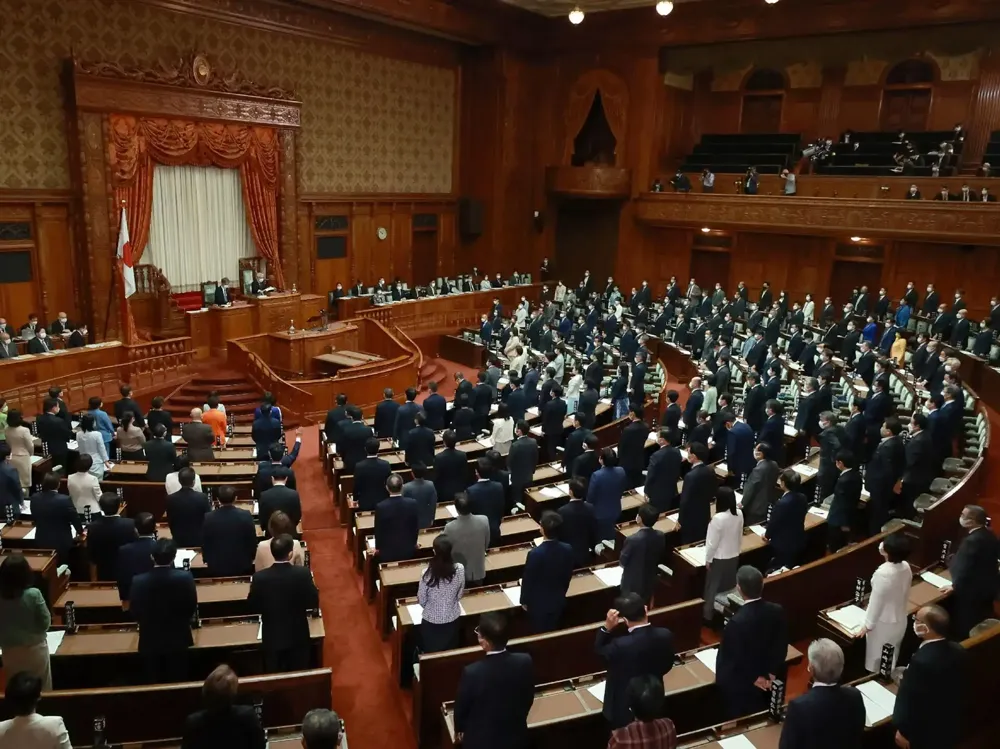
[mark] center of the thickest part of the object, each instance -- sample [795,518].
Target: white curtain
[198,230]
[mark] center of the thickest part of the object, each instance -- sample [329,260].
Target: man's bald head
[195,414]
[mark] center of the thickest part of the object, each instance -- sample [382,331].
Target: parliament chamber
[499,375]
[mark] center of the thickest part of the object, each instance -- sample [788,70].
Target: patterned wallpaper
[369,123]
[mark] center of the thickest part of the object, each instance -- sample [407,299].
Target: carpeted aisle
[364,695]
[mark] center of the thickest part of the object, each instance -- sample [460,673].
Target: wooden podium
[277,311]
[225,323]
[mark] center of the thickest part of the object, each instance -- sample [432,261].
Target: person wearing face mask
[62,325]
[886,614]
[942,324]
[930,301]
[920,465]
[975,580]
[929,705]
[40,344]
[8,349]
[913,193]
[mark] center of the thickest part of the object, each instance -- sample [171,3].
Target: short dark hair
[275,452]
[321,729]
[493,627]
[699,450]
[791,479]
[84,462]
[484,466]
[145,524]
[109,503]
[186,477]
[551,522]
[226,494]
[672,396]
[845,457]
[394,483]
[49,403]
[411,394]
[648,515]
[281,547]
[523,428]
[23,692]
[631,606]
[920,420]
[609,457]
[750,580]
[164,551]
[371,446]
[462,503]
[419,469]
[645,696]
[50,481]
[220,687]
[897,547]
[725,500]
[450,438]
[893,424]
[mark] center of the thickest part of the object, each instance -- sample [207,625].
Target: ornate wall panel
[369,123]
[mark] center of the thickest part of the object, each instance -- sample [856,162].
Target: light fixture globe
[770,2]
[576,16]
[664,7]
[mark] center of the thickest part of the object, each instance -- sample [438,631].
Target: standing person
[228,537]
[503,430]
[55,518]
[522,460]
[135,557]
[221,722]
[753,648]
[760,490]
[323,729]
[90,442]
[283,595]
[22,446]
[828,716]
[281,497]
[632,446]
[643,650]
[186,511]
[131,440]
[161,455]
[553,422]
[660,486]
[107,534]
[279,524]
[439,593]
[886,615]
[649,729]
[217,420]
[495,694]
[163,602]
[200,440]
[487,497]
[397,523]
[642,554]
[423,492]
[83,487]
[27,729]
[930,702]
[843,508]
[786,529]
[56,433]
[696,496]
[722,549]
[547,573]
[604,492]
[619,391]
[157,416]
[974,575]
[470,537]
[883,471]
[95,407]
[579,524]
[24,620]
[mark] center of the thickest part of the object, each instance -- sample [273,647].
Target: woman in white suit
[809,310]
[886,618]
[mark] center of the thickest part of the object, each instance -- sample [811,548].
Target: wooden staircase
[238,394]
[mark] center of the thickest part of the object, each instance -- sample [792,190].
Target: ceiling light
[705,229]
[855,239]
[664,7]
[770,2]
[576,16]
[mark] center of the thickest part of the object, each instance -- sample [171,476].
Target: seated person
[27,729]
[222,294]
[222,722]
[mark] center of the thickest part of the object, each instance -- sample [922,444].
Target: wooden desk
[106,654]
[337,360]
[467,353]
[224,323]
[297,351]
[31,369]
[555,655]
[45,568]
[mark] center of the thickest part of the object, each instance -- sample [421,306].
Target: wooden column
[294,265]
[99,240]
[985,111]
[828,121]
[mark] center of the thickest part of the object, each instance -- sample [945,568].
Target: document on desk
[72,445]
[513,594]
[736,742]
[760,530]
[652,437]
[879,702]
[790,430]
[449,405]
[256,507]
[183,554]
[564,487]
[695,555]
[537,431]
[486,442]
[452,510]
[936,580]
[610,576]
[708,657]
[416,612]
[819,512]
[804,470]
[37,459]
[175,438]
[552,492]
[533,411]
[54,639]
[851,618]
[598,690]
[30,535]
[641,491]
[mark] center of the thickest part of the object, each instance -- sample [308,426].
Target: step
[198,397]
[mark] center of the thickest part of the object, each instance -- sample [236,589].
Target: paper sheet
[760,530]
[183,554]
[72,445]
[452,510]
[879,702]
[449,405]
[790,430]
[416,612]
[260,630]
[851,618]
[256,508]
[708,657]
[175,438]
[513,594]
[36,459]
[598,690]
[695,555]
[533,411]
[564,487]
[610,576]
[486,442]
[26,508]
[936,580]
[819,512]
[652,437]
[552,492]
[370,543]
[736,742]
[30,535]
[538,541]
[805,470]
[641,491]
[54,639]
[537,431]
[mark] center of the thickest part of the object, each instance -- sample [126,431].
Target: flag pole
[117,282]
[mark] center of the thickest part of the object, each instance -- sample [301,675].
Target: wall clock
[381,233]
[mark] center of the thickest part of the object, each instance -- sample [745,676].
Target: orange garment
[217,420]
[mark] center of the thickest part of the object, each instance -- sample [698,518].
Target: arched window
[906,95]
[765,79]
[910,72]
[763,98]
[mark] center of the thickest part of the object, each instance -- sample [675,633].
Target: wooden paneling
[801,111]
[799,265]
[869,188]
[973,268]
[53,285]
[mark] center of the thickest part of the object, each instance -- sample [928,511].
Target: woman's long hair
[87,423]
[442,566]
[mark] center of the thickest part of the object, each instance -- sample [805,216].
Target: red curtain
[137,144]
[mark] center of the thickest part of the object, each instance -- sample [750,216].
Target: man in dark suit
[828,716]
[451,469]
[974,576]
[664,470]
[754,402]
[643,650]
[41,343]
[266,431]
[864,367]
[370,476]
[56,520]
[106,534]
[406,418]
[753,648]
[637,385]
[772,431]
[422,491]
[54,432]
[547,573]
[221,722]
[920,467]
[200,439]
[739,447]
[632,445]
[280,497]
[486,497]
[354,435]
[277,459]
[883,471]
[694,403]
[522,459]
[397,523]
[960,332]
[420,442]
[436,408]
[696,496]
[283,595]
[579,524]
[127,403]
[808,356]
[135,558]
[984,340]
[228,537]
[186,511]
[930,709]
[760,488]
[807,416]
[553,419]
[334,416]
[161,455]
[163,602]
[495,693]
[78,338]
[641,554]
[844,506]
[758,351]
[222,294]
[786,527]
[385,415]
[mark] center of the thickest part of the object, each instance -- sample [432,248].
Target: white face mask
[919,628]
[966,522]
